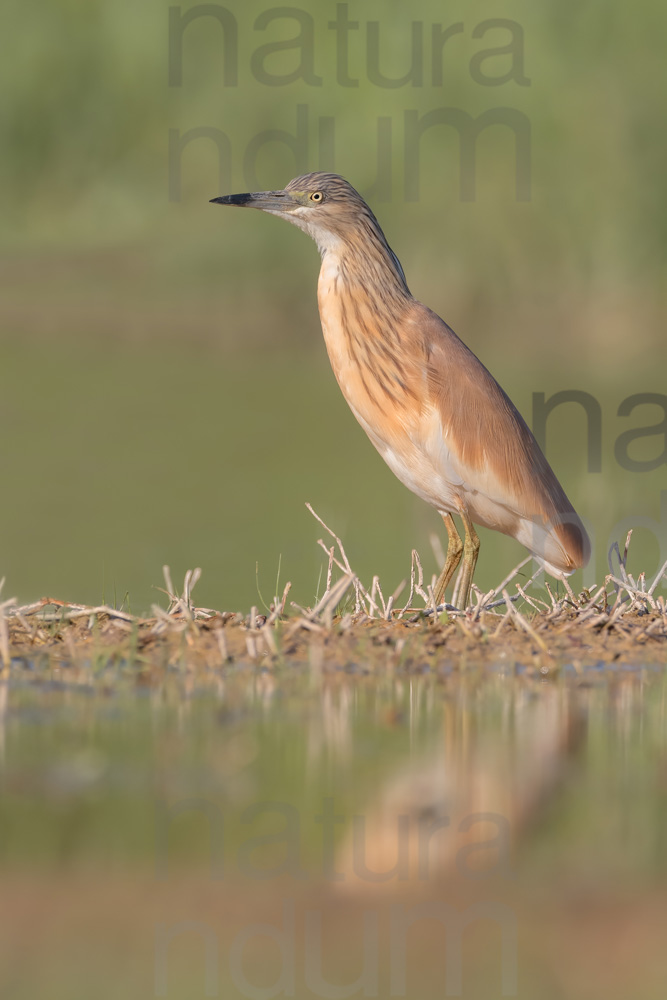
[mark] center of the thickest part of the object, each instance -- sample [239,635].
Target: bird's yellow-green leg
[454,553]
[470,552]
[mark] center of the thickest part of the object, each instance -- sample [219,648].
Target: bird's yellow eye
[316,196]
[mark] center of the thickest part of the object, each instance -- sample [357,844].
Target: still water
[308,833]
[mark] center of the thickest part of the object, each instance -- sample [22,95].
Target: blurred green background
[164,390]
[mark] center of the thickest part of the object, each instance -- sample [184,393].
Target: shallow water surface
[233,827]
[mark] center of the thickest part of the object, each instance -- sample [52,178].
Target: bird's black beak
[267,201]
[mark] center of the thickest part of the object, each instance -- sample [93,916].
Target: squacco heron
[436,415]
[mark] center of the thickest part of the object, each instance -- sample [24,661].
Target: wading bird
[436,415]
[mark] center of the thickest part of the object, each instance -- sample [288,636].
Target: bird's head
[324,205]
